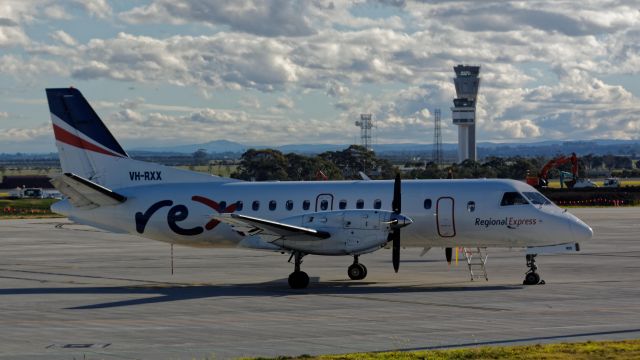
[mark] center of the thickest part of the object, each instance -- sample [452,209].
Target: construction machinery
[542,179]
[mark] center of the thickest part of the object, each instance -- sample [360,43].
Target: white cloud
[97,8]
[57,12]
[517,129]
[64,38]
[250,102]
[136,127]
[20,11]
[12,35]
[545,65]
[285,103]
[336,90]
[266,18]
[28,68]
[21,134]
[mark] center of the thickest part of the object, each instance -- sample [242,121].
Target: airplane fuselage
[108,189]
[445,213]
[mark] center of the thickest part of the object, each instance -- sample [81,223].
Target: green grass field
[621,350]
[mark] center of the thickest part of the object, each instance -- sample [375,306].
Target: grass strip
[618,350]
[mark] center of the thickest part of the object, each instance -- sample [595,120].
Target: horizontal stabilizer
[85,193]
[252,225]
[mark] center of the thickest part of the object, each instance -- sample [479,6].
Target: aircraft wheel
[531,278]
[357,272]
[298,280]
[365,271]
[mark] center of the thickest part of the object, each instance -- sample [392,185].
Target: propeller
[394,235]
[448,252]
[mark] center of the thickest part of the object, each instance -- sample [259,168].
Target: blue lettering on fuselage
[176,214]
[145,175]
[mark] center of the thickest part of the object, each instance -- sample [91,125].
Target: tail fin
[87,148]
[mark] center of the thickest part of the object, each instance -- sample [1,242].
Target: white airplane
[107,189]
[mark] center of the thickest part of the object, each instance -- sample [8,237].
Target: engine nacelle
[351,231]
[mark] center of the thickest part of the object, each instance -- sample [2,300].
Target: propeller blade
[396,249]
[397,196]
[395,234]
[448,253]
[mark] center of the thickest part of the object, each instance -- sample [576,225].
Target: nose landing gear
[532,277]
[357,271]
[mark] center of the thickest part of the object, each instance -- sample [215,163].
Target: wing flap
[85,193]
[253,225]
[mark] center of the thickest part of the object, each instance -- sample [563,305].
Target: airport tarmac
[69,291]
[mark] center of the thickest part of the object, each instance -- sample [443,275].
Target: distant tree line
[269,164]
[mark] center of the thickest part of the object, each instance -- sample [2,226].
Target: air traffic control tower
[463,111]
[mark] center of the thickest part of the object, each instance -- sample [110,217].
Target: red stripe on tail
[70,139]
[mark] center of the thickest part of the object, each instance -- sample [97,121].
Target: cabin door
[445,217]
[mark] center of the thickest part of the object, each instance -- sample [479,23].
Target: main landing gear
[532,277]
[357,271]
[298,279]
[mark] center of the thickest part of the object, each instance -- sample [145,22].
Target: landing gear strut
[532,277]
[357,271]
[298,279]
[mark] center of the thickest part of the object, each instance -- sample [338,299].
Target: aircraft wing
[85,193]
[253,225]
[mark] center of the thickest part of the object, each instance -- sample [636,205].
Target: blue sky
[168,72]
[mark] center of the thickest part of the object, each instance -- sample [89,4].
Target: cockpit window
[513,198]
[536,198]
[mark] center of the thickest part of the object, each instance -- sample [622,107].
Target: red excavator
[542,180]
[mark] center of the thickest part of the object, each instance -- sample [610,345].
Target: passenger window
[360,204]
[342,204]
[239,205]
[272,205]
[306,204]
[324,205]
[427,204]
[256,205]
[471,206]
[289,205]
[222,205]
[377,204]
[513,198]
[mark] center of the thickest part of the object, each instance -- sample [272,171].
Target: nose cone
[404,220]
[581,231]
[400,221]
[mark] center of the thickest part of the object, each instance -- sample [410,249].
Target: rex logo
[180,213]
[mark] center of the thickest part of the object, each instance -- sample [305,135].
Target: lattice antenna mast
[366,128]
[436,155]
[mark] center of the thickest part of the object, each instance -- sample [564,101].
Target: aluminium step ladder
[477,260]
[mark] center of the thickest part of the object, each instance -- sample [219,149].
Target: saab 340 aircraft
[107,189]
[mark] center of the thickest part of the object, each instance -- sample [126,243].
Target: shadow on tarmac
[173,292]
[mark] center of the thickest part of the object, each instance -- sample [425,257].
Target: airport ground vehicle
[611,183]
[584,184]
